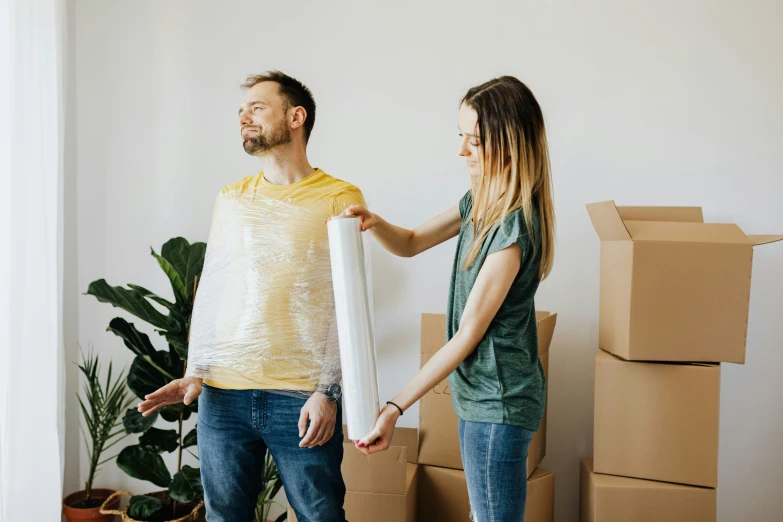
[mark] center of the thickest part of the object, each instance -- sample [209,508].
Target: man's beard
[279,135]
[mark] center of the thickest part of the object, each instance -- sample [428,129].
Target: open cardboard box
[657,421]
[673,288]
[438,422]
[606,498]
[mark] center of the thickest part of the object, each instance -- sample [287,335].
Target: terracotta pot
[90,514]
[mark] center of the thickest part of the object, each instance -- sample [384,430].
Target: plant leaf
[160,367]
[179,342]
[130,301]
[139,343]
[171,412]
[155,297]
[277,486]
[141,507]
[186,485]
[135,422]
[158,441]
[144,465]
[190,439]
[144,379]
[187,259]
[176,278]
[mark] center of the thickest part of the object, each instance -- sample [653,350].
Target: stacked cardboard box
[673,305]
[443,492]
[381,487]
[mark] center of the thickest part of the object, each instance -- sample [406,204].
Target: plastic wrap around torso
[264,312]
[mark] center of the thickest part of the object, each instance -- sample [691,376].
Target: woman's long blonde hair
[514,161]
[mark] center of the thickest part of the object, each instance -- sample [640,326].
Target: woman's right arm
[408,243]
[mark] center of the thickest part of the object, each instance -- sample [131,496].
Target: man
[245,408]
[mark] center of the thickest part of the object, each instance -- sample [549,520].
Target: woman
[506,240]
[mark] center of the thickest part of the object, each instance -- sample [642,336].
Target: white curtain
[32,40]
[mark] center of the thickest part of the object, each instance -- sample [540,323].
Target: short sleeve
[465,206]
[346,198]
[513,230]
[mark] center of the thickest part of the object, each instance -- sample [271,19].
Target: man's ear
[298,117]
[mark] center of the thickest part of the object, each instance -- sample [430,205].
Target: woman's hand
[369,220]
[401,241]
[379,439]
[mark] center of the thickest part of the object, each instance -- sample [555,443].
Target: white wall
[668,103]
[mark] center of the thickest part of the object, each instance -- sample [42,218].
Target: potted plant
[271,485]
[181,499]
[102,406]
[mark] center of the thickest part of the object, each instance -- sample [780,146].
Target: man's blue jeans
[235,427]
[495,460]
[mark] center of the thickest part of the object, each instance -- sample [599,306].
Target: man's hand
[322,414]
[184,390]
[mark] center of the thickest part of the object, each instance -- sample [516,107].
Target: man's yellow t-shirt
[284,365]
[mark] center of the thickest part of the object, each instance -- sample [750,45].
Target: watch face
[334,391]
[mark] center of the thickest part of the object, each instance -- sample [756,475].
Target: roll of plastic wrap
[354,325]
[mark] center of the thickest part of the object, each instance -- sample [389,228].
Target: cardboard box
[381,507]
[438,431]
[381,487]
[606,498]
[673,288]
[657,421]
[382,472]
[443,495]
[540,503]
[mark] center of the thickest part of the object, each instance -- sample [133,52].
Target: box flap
[603,356]
[757,239]
[433,333]
[686,232]
[403,437]
[538,473]
[541,315]
[407,438]
[681,214]
[382,472]
[546,328]
[410,474]
[615,481]
[607,221]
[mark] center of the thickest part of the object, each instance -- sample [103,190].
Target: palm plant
[271,485]
[101,409]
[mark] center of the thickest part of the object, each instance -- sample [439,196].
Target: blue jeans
[235,428]
[495,460]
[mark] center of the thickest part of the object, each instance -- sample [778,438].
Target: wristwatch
[332,391]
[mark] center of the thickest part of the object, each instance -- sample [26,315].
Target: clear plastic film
[264,315]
